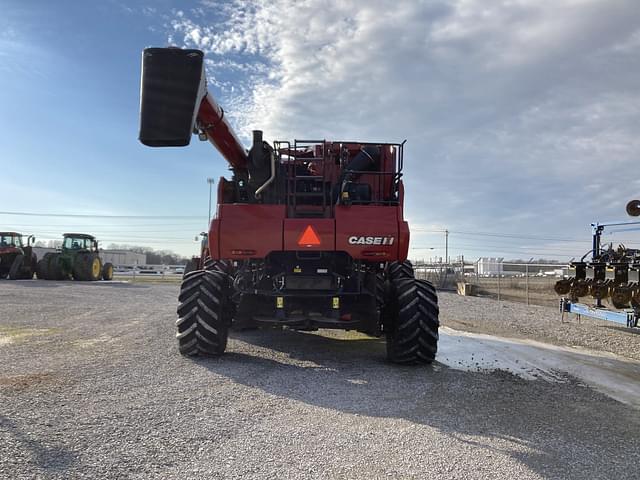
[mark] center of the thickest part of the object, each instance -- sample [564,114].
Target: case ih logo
[371,240]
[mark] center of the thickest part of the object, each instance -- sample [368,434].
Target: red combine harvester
[308,234]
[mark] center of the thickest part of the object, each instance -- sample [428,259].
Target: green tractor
[17,260]
[78,258]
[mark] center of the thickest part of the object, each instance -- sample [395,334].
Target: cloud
[511,109]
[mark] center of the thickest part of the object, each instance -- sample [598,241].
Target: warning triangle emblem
[309,238]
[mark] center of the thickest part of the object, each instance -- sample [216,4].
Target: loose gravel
[92,386]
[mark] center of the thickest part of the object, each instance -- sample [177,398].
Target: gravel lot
[92,386]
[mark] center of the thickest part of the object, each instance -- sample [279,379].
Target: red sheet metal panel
[368,232]
[250,231]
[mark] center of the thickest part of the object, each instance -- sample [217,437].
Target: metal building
[123,257]
[490,266]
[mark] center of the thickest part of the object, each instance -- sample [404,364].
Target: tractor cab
[79,242]
[17,260]
[11,240]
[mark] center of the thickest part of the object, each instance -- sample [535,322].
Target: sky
[522,117]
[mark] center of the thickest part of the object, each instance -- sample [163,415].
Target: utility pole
[446,246]
[210,181]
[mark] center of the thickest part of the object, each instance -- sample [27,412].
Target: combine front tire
[203,313]
[412,330]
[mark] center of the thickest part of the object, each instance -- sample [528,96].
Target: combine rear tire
[107,271]
[412,329]
[16,267]
[203,313]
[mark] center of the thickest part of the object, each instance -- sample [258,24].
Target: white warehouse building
[490,266]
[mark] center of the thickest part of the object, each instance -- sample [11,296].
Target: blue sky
[509,109]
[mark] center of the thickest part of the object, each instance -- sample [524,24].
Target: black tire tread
[16,267]
[106,273]
[400,269]
[223,266]
[414,338]
[202,323]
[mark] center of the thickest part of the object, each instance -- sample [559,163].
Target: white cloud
[510,108]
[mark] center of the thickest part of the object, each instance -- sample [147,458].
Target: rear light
[243,252]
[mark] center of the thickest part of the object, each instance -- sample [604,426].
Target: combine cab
[79,259]
[308,234]
[17,260]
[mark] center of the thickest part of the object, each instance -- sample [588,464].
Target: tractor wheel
[16,267]
[107,271]
[42,269]
[203,313]
[87,267]
[412,336]
[57,268]
[45,267]
[29,270]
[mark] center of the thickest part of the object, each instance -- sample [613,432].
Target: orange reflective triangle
[309,238]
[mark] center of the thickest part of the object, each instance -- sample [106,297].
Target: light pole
[446,246]
[210,181]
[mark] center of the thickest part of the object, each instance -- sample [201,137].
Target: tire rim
[95,268]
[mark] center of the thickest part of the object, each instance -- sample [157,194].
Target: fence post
[499,284]
[526,281]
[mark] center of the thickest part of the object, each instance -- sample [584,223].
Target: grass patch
[17,334]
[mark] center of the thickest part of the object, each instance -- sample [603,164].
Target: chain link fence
[530,283]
